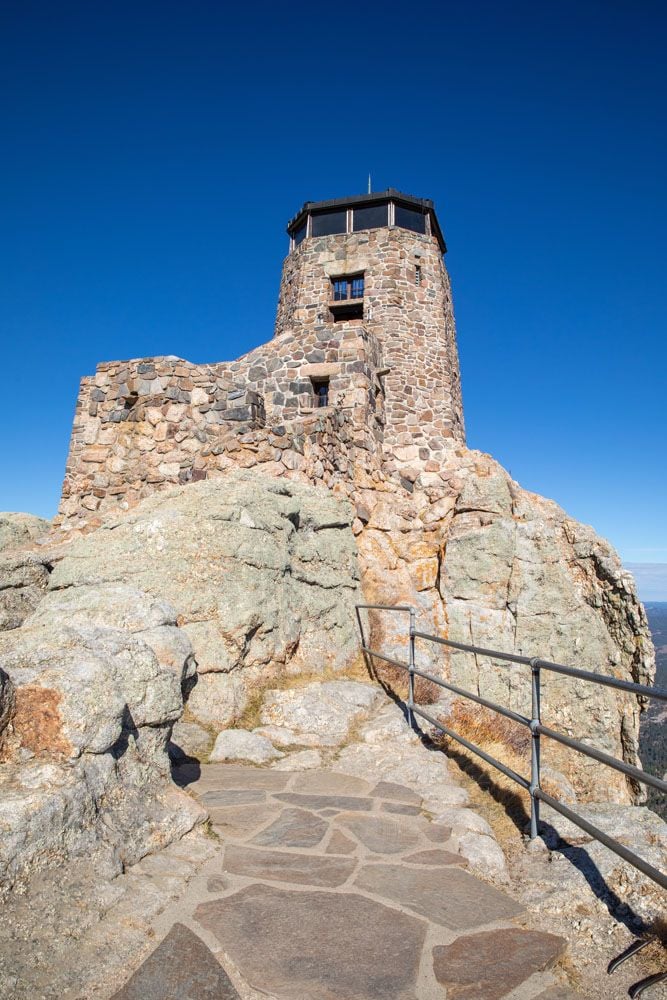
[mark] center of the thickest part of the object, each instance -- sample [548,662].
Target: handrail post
[411,668]
[535,748]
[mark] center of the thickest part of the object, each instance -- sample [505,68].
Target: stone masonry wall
[408,311]
[144,424]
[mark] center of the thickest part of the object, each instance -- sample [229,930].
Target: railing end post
[535,749]
[411,667]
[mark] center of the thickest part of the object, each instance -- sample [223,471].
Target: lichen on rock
[262,575]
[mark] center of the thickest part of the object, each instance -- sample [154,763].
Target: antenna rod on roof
[369,183]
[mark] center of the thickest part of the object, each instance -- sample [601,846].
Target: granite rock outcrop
[262,575]
[486,562]
[88,699]
[18,530]
[24,571]
[208,592]
[196,594]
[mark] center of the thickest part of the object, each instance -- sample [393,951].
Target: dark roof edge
[390,194]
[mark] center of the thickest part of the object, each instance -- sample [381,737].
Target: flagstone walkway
[328,887]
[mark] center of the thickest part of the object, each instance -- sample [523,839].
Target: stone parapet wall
[145,424]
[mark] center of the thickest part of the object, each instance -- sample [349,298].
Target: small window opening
[351,311]
[348,288]
[321,391]
[131,400]
[418,275]
[347,297]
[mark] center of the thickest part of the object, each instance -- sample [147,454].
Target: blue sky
[151,154]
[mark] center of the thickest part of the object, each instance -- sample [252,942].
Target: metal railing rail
[534,724]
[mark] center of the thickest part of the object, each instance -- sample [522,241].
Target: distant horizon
[651,580]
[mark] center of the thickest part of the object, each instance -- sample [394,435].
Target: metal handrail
[386,607]
[558,668]
[534,724]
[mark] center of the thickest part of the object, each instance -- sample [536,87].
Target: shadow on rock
[119,749]
[184,769]
[515,808]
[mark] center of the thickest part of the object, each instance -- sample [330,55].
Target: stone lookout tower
[376,261]
[360,381]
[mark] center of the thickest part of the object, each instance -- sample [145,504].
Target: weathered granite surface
[487,563]
[87,711]
[24,573]
[18,530]
[239,744]
[320,713]
[262,575]
[23,580]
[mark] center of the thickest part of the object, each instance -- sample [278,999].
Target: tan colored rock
[511,571]
[239,744]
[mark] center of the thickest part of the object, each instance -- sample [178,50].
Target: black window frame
[349,280]
[373,210]
[318,219]
[404,215]
[300,234]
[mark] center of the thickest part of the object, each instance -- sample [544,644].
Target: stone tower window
[329,223]
[347,297]
[418,275]
[321,391]
[351,286]
[370,217]
[409,218]
[300,234]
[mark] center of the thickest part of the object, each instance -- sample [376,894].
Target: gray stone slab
[241,821]
[401,809]
[317,945]
[277,866]
[437,833]
[380,834]
[340,844]
[232,797]
[435,857]
[293,828]
[447,896]
[330,783]
[488,965]
[318,802]
[238,776]
[180,967]
[399,793]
